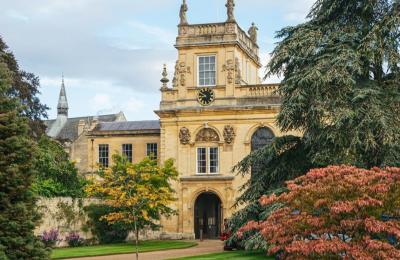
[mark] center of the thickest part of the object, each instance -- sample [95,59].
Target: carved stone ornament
[229,134]
[253,32]
[184,135]
[230,7]
[207,135]
[182,13]
[238,73]
[229,68]
[180,74]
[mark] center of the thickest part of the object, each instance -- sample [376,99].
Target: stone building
[215,113]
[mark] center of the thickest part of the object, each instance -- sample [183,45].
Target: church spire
[62,107]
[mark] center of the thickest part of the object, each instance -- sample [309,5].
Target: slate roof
[128,126]
[70,130]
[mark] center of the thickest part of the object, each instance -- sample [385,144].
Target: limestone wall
[66,215]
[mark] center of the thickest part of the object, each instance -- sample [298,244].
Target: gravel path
[205,247]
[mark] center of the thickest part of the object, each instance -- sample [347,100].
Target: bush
[333,213]
[50,238]
[104,232]
[74,239]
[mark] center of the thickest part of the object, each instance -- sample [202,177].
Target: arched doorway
[207,216]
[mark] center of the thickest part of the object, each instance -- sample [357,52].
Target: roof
[69,131]
[129,126]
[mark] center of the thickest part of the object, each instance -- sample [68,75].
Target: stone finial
[230,5]
[253,32]
[182,13]
[164,80]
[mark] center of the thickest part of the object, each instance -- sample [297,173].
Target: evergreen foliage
[341,81]
[25,87]
[340,88]
[104,232]
[57,176]
[17,202]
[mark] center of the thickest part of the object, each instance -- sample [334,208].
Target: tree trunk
[136,239]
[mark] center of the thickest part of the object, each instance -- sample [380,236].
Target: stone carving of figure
[238,74]
[182,13]
[176,75]
[207,135]
[184,135]
[229,134]
[230,5]
[253,32]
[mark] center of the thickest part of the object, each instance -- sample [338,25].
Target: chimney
[81,127]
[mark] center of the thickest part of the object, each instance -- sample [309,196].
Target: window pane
[127,151]
[201,160]
[103,155]
[214,164]
[152,151]
[207,70]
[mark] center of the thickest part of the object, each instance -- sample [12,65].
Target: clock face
[205,96]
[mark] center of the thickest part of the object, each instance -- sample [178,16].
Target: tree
[341,88]
[18,213]
[334,213]
[56,176]
[284,159]
[141,192]
[341,81]
[25,87]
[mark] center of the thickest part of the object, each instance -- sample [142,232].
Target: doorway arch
[207,216]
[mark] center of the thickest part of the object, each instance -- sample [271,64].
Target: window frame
[208,160]
[198,70]
[124,151]
[154,154]
[101,157]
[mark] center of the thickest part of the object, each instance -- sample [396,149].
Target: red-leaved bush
[339,212]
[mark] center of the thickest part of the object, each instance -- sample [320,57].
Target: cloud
[116,49]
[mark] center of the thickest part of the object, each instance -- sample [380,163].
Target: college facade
[212,115]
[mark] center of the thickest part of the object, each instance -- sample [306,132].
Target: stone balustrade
[264,90]
[216,33]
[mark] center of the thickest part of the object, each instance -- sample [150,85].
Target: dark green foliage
[25,87]
[104,232]
[284,159]
[341,88]
[17,202]
[57,175]
[342,83]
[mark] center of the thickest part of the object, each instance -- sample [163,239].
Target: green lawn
[114,249]
[237,255]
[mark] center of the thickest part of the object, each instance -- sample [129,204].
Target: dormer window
[207,71]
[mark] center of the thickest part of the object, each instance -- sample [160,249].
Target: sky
[111,52]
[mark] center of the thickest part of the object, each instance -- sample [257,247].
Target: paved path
[205,247]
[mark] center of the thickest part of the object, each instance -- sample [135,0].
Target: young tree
[17,202]
[335,213]
[141,192]
[25,87]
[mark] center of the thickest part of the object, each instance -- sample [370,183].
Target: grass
[115,249]
[236,255]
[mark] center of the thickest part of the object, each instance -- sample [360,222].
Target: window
[127,151]
[207,71]
[152,151]
[103,155]
[213,160]
[201,160]
[207,160]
